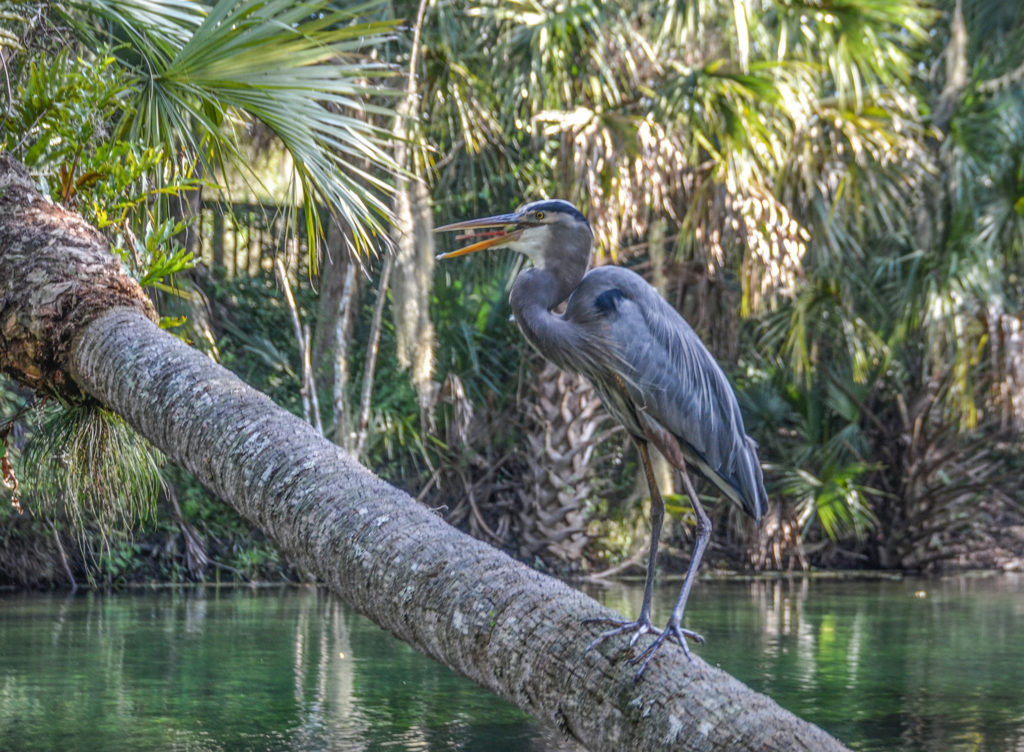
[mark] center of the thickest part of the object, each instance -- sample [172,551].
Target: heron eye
[538,215]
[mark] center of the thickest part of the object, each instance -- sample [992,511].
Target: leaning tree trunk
[514,631]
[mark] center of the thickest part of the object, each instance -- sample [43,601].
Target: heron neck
[544,289]
[535,293]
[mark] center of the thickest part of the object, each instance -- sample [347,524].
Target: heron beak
[498,230]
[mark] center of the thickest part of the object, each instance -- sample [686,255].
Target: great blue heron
[653,373]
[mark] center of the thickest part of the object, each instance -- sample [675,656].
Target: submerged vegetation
[832,194]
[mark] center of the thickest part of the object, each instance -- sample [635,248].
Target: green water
[911,665]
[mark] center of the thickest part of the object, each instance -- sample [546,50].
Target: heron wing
[673,382]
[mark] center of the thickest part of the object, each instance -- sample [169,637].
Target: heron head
[550,232]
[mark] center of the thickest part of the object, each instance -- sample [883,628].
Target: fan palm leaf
[301,69]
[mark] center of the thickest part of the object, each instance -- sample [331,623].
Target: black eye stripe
[553,205]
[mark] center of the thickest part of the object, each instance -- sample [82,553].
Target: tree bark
[55,277]
[511,629]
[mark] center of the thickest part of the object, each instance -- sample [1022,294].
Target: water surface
[907,665]
[913,665]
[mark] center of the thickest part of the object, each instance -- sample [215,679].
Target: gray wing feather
[671,377]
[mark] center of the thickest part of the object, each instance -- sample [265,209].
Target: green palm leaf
[299,68]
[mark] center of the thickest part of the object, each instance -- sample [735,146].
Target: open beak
[497,230]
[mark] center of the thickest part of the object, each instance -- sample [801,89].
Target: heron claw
[640,627]
[672,629]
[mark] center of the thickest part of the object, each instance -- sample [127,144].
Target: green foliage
[476,337]
[163,265]
[477,341]
[256,562]
[62,107]
[128,185]
[118,562]
[193,73]
[811,436]
[61,128]
[253,318]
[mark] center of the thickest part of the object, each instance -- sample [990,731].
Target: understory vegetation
[831,193]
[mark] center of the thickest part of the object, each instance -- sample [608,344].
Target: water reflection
[884,665]
[230,669]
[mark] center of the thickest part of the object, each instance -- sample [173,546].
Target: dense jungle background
[831,192]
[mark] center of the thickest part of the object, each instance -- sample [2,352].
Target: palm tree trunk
[512,630]
[563,420]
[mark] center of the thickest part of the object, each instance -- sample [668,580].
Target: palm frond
[302,69]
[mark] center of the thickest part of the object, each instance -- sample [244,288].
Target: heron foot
[639,627]
[672,630]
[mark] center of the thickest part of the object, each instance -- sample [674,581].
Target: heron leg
[674,627]
[643,623]
[657,520]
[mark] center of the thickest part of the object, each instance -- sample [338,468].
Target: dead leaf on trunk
[10,480]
